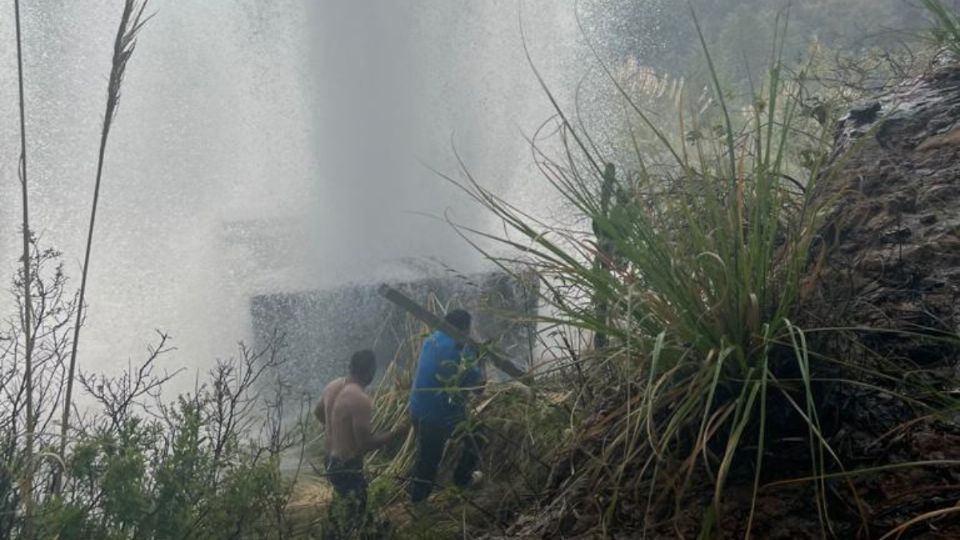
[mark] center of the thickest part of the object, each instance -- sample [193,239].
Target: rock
[322,328]
[892,189]
[865,113]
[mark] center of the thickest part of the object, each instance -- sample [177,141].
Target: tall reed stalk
[131,22]
[27,480]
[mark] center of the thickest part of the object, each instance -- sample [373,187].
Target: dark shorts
[348,509]
[346,476]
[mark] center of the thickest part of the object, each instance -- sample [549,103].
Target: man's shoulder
[433,348]
[434,340]
[445,345]
[353,396]
[334,384]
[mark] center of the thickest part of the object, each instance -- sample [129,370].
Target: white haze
[272,146]
[249,156]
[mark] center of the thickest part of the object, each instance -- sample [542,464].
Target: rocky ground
[893,235]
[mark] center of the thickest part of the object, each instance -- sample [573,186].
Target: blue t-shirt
[444,368]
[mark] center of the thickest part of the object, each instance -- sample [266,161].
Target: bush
[204,466]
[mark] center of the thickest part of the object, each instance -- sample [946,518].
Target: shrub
[204,466]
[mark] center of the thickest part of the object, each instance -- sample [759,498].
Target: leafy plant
[206,466]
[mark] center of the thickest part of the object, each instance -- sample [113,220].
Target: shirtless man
[345,410]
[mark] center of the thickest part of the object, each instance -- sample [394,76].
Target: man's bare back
[347,415]
[346,411]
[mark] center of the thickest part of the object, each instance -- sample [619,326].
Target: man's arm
[320,411]
[366,439]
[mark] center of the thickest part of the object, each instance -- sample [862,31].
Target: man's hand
[400,431]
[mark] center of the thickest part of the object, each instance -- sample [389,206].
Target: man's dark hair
[363,365]
[460,319]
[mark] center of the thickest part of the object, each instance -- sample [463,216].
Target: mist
[264,148]
[284,146]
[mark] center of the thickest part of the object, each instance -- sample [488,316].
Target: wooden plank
[433,321]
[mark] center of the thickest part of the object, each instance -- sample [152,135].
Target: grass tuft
[689,264]
[946,25]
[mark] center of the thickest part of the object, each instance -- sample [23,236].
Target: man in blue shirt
[446,372]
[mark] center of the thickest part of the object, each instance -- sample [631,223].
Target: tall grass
[27,480]
[682,277]
[131,22]
[696,260]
